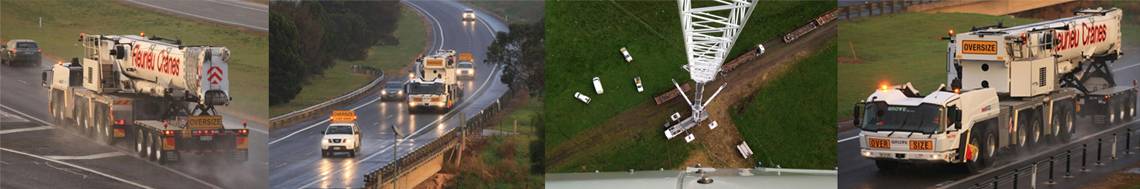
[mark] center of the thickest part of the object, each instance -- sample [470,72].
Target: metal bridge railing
[1074,158]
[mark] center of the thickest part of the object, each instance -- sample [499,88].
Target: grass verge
[339,79]
[898,48]
[765,122]
[64,20]
[505,161]
[584,40]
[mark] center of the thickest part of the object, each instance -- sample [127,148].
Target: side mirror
[955,116]
[3,46]
[322,132]
[119,52]
[857,114]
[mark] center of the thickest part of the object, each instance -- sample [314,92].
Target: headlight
[866,154]
[384,92]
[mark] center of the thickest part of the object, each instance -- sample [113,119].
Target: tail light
[39,50]
[120,122]
[243,131]
[168,133]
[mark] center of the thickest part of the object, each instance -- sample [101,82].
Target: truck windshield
[925,118]
[425,88]
[339,129]
[394,85]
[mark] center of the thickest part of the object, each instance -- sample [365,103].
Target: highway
[39,154]
[239,13]
[296,161]
[858,172]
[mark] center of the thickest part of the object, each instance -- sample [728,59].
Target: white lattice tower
[709,31]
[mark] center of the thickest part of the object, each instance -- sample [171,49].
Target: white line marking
[8,131]
[23,114]
[87,157]
[197,16]
[78,167]
[439,26]
[851,138]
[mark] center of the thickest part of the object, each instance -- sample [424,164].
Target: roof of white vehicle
[895,96]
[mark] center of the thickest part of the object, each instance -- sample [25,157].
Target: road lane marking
[850,138]
[437,24]
[23,114]
[8,131]
[78,167]
[88,157]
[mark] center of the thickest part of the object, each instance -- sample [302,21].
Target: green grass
[64,20]
[766,121]
[339,79]
[583,41]
[509,169]
[519,12]
[646,150]
[899,48]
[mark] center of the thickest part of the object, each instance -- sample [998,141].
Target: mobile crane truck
[1010,88]
[433,87]
[155,90]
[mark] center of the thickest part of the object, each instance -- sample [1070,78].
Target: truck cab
[899,125]
[342,134]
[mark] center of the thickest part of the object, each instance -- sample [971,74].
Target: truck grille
[335,140]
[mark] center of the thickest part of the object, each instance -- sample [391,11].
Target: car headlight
[866,154]
[384,92]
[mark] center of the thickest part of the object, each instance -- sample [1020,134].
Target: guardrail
[308,112]
[474,126]
[1071,159]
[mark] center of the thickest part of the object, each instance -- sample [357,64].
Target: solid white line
[847,139]
[25,115]
[197,16]
[87,157]
[8,131]
[439,26]
[78,167]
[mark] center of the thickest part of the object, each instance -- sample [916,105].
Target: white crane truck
[434,86]
[1010,88]
[156,91]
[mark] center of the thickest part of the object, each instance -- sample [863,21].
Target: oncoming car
[21,51]
[393,91]
[342,134]
[465,70]
[468,15]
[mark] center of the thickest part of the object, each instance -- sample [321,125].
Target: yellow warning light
[143,34]
[957,91]
[343,116]
[951,32]
[883,87]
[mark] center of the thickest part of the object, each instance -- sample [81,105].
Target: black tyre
[1066,122]
[1023,128]
[989,150]
[1037,131]
[974,157]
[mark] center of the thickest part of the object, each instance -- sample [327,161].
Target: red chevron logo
[215,75]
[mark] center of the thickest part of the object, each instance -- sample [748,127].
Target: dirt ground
[717,146]
[1120,179]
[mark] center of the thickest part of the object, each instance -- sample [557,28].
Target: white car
[582,97]
[759,49]
[598,85]
[468,15]
[342,135]
[625,53]
[637,81]
[465,70]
